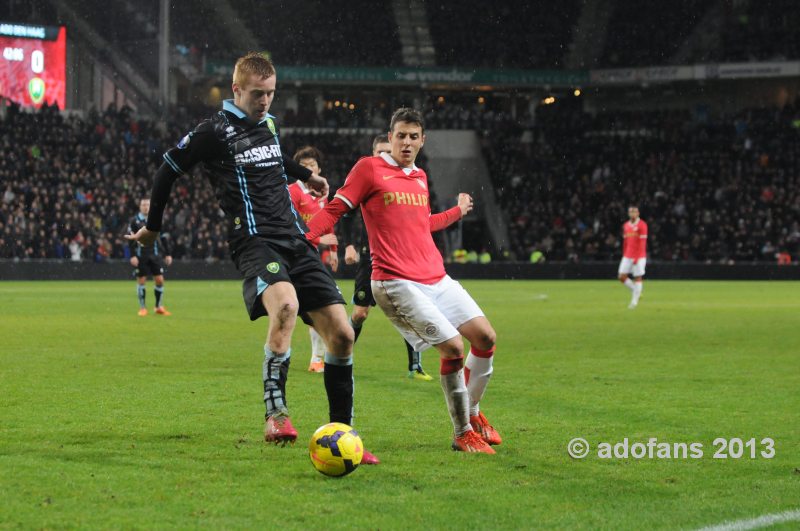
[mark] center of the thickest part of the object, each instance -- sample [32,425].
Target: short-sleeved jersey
[395,207]
[244,163]
[157,249]
[634,244]
[305,204]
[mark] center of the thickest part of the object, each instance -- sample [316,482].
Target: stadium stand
[764,30]
[502,34]
[640,36]
[722,190]
[719,190]
[339,32]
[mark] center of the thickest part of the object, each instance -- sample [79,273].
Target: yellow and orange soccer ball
[335,449]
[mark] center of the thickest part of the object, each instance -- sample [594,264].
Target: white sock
[637,292]
[630,285]
[317,345]
[457,397]
[480,370]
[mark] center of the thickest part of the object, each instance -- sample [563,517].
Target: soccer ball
[335,449]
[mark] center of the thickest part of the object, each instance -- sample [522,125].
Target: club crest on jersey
[238,222]
[273,267]
[185,141]
[271,125]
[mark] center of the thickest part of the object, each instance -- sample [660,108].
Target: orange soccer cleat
[472,442]
[142,312]
[162,311]
[484,429]
[279,429]
[316,366]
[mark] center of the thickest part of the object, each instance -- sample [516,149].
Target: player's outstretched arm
[464,203]
[444,219]
[162,187]
[324,220]
[318,185]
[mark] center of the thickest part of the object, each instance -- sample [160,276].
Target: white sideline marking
[755,523]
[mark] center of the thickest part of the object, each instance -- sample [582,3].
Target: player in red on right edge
[634,254]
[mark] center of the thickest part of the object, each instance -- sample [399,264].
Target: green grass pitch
[109,420]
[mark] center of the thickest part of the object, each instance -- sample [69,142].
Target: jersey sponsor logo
[257,154]
[184,143]
[271,126]
[405,198]
[273,267]
[387,177]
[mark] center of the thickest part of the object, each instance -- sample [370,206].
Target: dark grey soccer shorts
[265,261]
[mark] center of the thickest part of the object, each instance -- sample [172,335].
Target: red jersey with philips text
[634,244]
[396,211]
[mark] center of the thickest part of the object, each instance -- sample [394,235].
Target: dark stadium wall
[53,270]
[726,96]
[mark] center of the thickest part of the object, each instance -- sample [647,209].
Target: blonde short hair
[252,63]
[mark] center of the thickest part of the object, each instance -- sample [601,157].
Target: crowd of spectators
[70,186]
[721,189]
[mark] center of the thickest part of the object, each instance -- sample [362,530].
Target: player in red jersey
[362,290]
[409,281]
[306,206]
[634,254]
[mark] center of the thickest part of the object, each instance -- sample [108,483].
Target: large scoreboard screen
[33,68]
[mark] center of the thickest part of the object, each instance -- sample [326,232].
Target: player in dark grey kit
[148,260]
[283,274]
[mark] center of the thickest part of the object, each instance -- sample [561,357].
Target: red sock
[450,365]
[482,353]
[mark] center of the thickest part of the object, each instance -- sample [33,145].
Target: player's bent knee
[623,278]
[452,348]
[486,339]
[287,310]
[340,341]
